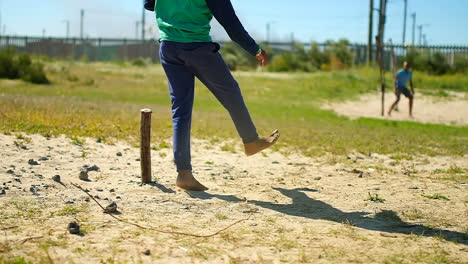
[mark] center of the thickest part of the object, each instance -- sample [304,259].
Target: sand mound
[427,109]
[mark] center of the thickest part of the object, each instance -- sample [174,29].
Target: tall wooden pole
[145,150]
[380,50]
[371,27]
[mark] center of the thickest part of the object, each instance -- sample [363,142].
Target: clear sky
[445,22]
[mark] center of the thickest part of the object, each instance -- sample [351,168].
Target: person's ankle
[184,173]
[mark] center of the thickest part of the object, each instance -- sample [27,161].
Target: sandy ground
[427,109]
[309,210]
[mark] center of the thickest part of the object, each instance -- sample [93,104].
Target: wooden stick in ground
[145,150]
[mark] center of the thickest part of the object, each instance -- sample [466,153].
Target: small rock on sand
[111,208]
[74,228]
[92,168]
[33,162]
[56,178]
[84,175]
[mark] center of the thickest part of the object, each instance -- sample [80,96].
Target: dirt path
[427,109]
[309,210]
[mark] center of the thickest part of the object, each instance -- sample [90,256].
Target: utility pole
[143,25]
[413,16]
[137,29]
[420,28]
[68,28]
[43,33]
[268,32]
[81,24]
[404,22]
[371,26]
[424,39]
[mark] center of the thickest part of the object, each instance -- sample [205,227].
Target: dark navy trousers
[182,62]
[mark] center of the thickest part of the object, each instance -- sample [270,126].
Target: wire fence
[104,49]
[359,51]
[99,49]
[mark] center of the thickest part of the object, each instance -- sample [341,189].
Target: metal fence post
[125,50]
[98,53]
[73,49]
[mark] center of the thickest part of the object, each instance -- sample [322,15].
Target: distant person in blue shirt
[401,79]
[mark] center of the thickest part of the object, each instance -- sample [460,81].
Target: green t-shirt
[183,20]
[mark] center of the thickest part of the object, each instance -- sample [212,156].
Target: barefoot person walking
[401,78]
[187,51]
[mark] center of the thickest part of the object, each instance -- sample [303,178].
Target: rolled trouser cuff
[183,165]
[250,139]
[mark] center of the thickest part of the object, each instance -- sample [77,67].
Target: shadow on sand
[304,206]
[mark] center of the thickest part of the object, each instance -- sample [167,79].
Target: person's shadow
[304,206]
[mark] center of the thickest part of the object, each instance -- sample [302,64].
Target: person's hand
[263,57]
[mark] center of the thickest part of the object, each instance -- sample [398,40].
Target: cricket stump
[145,145]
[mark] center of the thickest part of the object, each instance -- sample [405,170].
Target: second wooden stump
[145,145]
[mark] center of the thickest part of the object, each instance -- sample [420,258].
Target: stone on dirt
[74,228]
[56,178]
[33,162]
[84,175]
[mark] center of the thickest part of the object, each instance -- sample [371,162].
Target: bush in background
[461,64]
[13,66]
[139,62]
[336,56]
[236,58]
[8,69]
[436,62]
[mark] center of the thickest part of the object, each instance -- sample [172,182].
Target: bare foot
[261,143]
[186,181]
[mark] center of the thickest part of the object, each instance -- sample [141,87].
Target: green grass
[437,196]
[453,173]
[109,109]
[375,198]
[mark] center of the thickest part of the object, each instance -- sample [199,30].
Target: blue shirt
[403,77]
